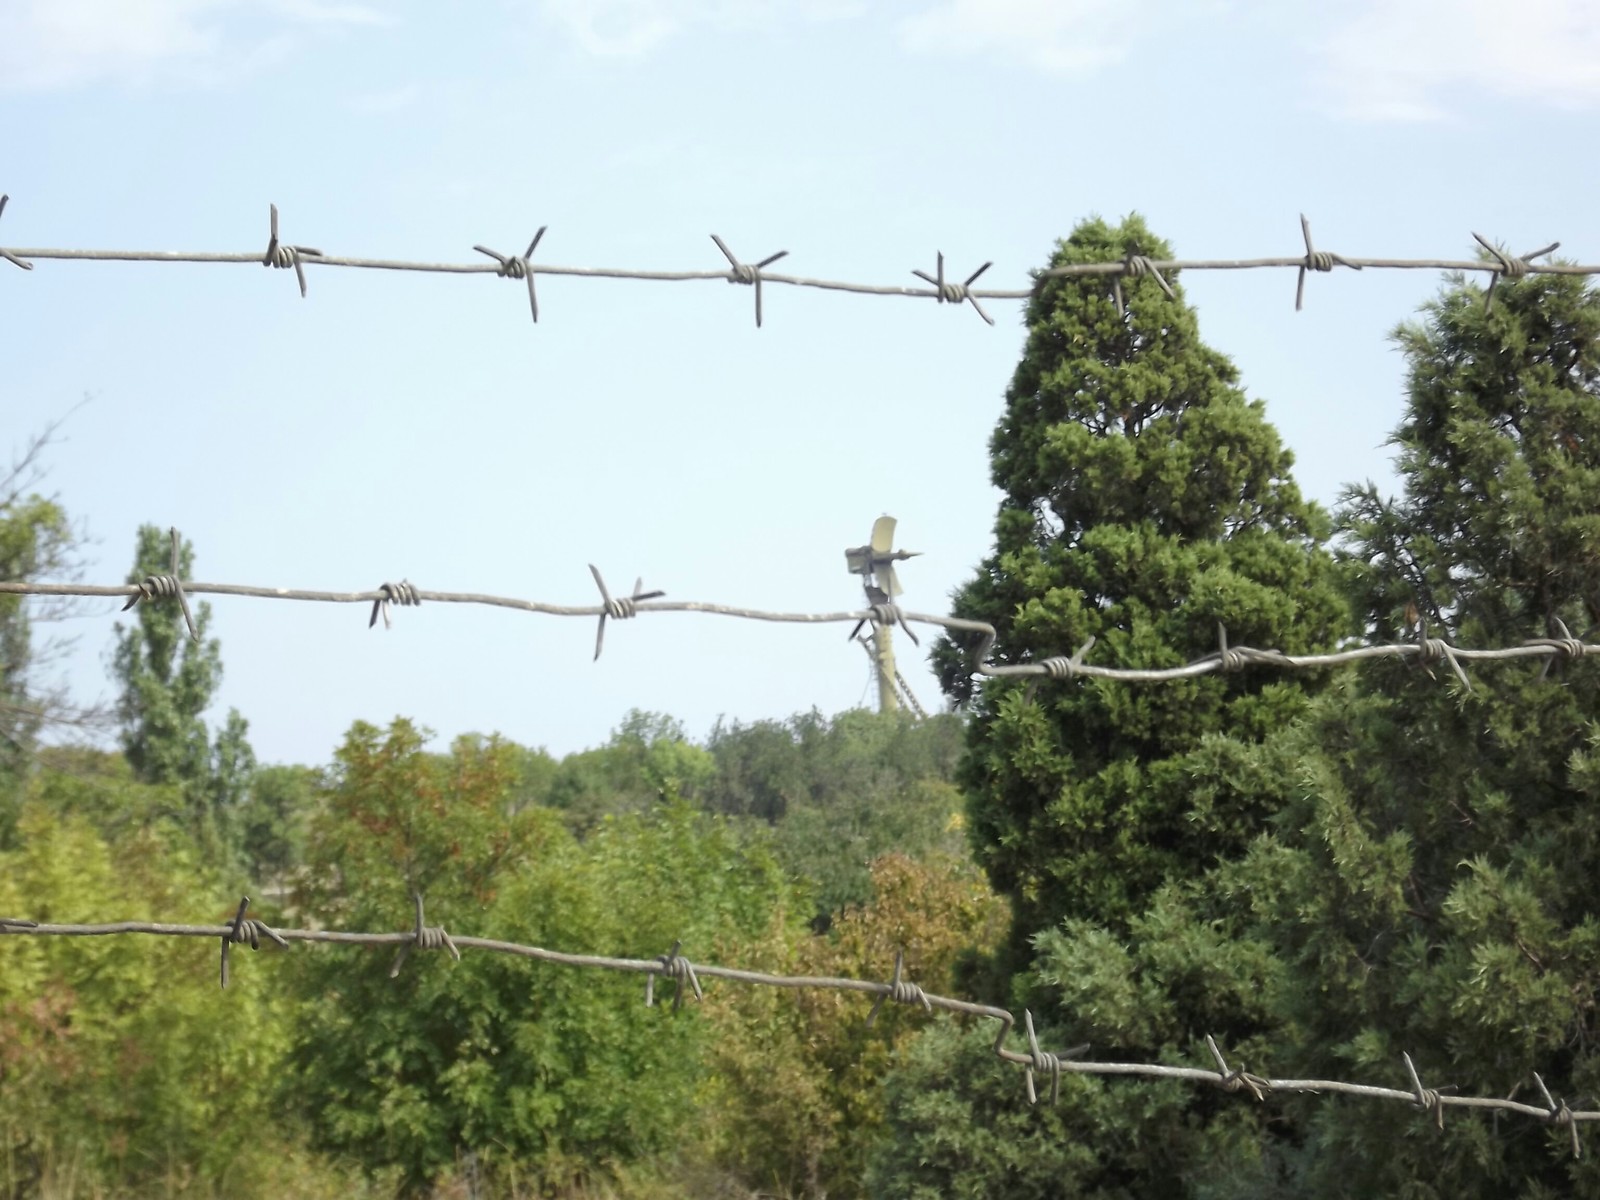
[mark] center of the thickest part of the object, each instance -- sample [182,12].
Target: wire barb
[948,292]
[1509,265]
[514,266]
[1315,260]
[1560,1114]
[424,937]
[246,931]
[1429,1100]
[747,273]
[160,587]
[681,971]
[900,991]
[1135,266]
[280,255]
[1234,1080]
[6,254]
[619,608]
[403,593]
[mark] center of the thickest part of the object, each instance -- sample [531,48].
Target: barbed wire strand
[688,976]
[1426,650]
[1497,262]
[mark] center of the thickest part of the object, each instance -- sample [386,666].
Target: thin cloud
[1406,60]
[53,44]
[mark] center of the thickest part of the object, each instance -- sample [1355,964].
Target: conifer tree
[1435,878]
[1146,502]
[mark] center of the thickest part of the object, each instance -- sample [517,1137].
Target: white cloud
[629,28]
[1404,59]
[1056,35]
[48,44]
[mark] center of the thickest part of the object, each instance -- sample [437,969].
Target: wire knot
[403,593]
[682,973]
[514,266]
[282,255]
[901,991]
[1428,1100]
[947,291]
[424,937]
[1042,1062]
[1559,1115]
[1234,1080]
[1136,266]
[747,273]
[617,607]
[1509,266]
[166,587]
[246,931]
[1431,650]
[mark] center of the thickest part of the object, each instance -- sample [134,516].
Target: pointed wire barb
[161,587]
[424,937]
[1315,260]
[281,255]
[519,266]
[1136,266]
[618,608]
[403,593]
[900,991]
[681,971]
[949,292]
[1509,265]
[747,273]
[246,931]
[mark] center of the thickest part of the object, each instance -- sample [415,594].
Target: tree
[167,682]
[530,1066]
[1146,502]
[1432,879]
[842,792]
[36,539]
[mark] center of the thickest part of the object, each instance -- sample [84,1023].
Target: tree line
[1320,869]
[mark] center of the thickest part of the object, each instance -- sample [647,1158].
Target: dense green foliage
[1433,876]
[1146,502]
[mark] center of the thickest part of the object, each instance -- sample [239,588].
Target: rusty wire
[687,976]
[1426,650]
[1497,262]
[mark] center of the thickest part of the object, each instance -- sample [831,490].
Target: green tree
[649,758]
[1146,501]
[124,1070]
[36,539]
[1433,878]
[167,681]
[843,792]
[531,1067]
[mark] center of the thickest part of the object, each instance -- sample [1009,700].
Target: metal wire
[280,254]
[687,977]
[1425,650]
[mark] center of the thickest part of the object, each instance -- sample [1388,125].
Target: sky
[412,426]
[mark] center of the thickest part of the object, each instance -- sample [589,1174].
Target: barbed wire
[687,978]
[1497,262]
[1425,650]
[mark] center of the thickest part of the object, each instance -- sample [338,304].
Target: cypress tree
[1436,874]
[1146,501]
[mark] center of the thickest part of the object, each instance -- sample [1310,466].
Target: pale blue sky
[419,426]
